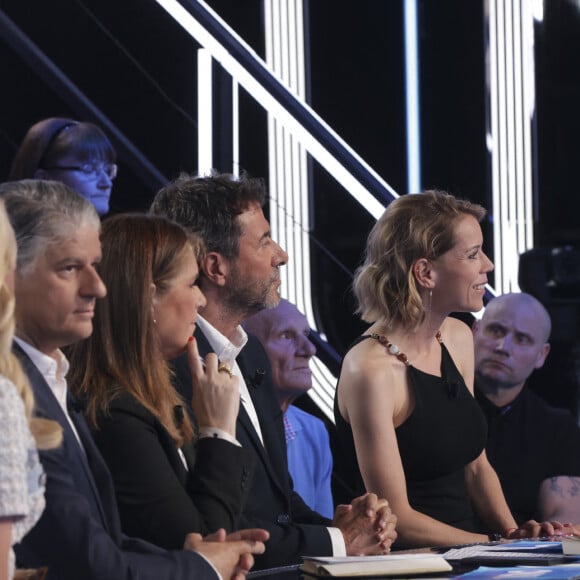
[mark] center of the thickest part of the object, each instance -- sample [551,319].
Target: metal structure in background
[510,130]
[247,69]
[289,179]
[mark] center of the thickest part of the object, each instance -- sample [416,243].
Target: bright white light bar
[512,105]
[412,98]
[235,129]
[275,108]
[288,173]
[204,113]
[538,10]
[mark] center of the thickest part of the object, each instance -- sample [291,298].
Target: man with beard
[239,277]
[534,448]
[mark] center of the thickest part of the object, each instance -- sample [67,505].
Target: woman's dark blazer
[79,534]
[159,499]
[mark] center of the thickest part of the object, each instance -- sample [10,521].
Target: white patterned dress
[21,475]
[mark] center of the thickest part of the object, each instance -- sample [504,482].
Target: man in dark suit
[239,277]
[56,286]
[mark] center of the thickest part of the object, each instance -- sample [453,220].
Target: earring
[430,300]
[155,321]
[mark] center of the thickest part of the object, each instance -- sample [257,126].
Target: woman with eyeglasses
[76,153]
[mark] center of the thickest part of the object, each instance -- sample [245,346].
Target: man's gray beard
[246,300]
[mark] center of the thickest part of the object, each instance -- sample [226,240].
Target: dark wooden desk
[284,573]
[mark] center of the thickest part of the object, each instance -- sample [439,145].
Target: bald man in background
[283,332]
[534,448]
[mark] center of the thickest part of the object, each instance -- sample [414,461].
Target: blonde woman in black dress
[404,406]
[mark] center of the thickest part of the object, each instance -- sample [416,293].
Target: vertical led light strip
[288,167]
[205,116]
[235,128]
[204,112]
[412,99]
[528,118]
[511,97]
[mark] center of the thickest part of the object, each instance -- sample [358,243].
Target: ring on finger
[225,368]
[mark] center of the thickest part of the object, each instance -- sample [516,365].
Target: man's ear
[475,326]
[215,268]
[423,271]
[542,356]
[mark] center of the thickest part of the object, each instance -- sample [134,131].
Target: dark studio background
[138,67]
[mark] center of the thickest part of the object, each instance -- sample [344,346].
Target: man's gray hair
[43,213]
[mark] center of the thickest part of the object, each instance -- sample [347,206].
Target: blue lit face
[95,186]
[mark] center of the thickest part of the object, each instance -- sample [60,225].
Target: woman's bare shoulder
[366,357]
[368,367]
[370,382]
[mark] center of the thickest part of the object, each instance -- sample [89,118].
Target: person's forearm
[487,496]
[416,529]
[558,499]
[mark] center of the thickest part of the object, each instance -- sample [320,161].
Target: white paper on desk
[513,548]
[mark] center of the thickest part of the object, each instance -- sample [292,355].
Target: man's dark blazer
[159,499]
[79,533]
[295,529]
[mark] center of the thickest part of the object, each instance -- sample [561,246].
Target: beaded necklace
[394,349]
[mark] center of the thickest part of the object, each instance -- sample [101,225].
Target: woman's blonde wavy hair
[48,434]
[414,226]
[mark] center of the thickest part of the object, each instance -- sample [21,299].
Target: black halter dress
[445,431]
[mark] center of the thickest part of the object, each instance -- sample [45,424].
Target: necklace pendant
[394,349]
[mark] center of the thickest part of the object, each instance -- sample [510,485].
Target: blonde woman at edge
[405,408]
[21,475]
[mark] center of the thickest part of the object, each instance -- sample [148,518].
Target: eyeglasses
[92,170]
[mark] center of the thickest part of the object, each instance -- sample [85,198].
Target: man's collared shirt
[227,351]
[54,371]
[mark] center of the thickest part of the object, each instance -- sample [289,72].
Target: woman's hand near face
[216,394]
